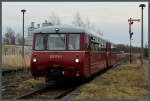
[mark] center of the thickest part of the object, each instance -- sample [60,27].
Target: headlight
[63,72]
[77,60]
[34,60]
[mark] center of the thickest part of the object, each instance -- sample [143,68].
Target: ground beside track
[11,80]
[29,86]
[122,82]
[128,81]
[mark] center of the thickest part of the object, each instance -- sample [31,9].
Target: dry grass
[123,82]
[14,62]
[29,85]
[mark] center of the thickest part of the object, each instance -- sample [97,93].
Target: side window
[90,43]
[102,45]
[87,41]
[97,47]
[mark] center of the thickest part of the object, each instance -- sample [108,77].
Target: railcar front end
[57,55]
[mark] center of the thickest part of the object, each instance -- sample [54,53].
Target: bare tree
[54,19]
[86,23]
[19,39]
[77,21]
[89,25]
[99,31]
[9,36]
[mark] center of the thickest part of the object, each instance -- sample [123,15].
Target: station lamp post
[131,33]
[142,51]
[23,11]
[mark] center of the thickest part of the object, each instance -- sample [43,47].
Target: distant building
[32,28]
[46,24]
[30,33]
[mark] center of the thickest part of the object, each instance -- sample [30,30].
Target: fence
[15,50]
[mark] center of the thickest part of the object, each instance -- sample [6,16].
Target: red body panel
[89,64]
[97,61]
[64,60]
[113,59]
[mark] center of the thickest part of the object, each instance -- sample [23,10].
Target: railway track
[11,80]
[6,72]
[54,91]
[58,91]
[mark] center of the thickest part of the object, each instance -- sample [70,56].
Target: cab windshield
[59,42]
[39,42]
[74,42]
[56,42]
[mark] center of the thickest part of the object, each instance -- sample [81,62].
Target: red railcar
[69,52]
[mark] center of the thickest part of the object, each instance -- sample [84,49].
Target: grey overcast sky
[110,17]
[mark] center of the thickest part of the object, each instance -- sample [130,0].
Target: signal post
[130,20]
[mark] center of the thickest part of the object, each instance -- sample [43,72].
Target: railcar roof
[62,29]
[67,29]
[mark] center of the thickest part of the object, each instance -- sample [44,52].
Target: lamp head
[131,22]
[142,5]
[23,10]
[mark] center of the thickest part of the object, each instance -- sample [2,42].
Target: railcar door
[108,54]
[87,59]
